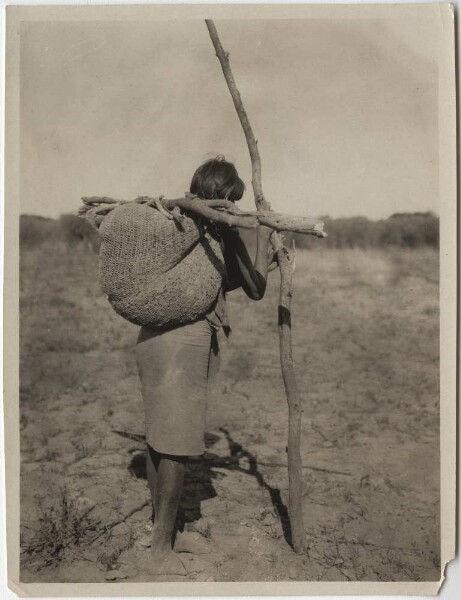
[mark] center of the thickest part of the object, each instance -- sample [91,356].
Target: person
[174,367]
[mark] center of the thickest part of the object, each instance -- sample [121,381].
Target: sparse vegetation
[366,351]
[61,524]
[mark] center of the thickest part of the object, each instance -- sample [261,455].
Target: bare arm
[240,268]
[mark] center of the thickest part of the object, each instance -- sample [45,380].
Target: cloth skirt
[177,369]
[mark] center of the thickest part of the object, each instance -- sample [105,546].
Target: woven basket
[154,272]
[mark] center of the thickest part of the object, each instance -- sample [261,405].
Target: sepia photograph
[232,239]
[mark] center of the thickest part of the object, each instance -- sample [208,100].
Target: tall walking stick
[285,260]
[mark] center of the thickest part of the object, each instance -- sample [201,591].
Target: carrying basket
[156,272]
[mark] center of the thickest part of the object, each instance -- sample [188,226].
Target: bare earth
[366,346]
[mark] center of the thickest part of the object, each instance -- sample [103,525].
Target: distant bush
[73,231]
[34,230]
[77,231]
[405,230]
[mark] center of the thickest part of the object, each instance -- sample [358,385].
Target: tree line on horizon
[405,230]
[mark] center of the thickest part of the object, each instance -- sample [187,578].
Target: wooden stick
[285,260]
[295,506]
[219,211]
[96,211]
[252,143]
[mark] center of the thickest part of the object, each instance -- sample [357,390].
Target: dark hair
[217,179]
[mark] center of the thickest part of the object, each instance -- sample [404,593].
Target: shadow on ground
[198,485]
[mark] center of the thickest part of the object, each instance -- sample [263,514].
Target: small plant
[82,450]
[206,531]
[348,496]
[108,558]
[60,527]
[50,455]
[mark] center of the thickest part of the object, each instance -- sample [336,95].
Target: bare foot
[144,536]
[192,542]
[144,540]
[167,563]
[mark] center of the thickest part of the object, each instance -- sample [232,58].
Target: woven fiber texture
[154,272]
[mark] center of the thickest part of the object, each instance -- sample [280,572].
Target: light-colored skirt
[176,369]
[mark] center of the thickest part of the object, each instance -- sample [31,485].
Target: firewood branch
[223,212]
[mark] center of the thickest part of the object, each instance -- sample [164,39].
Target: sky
[345,112]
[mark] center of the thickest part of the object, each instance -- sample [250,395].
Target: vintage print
[229,282]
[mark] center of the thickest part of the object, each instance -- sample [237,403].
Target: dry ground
[366,351]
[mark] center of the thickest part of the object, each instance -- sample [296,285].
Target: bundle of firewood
[223,212]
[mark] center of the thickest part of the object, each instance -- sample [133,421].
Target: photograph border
[448,288]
